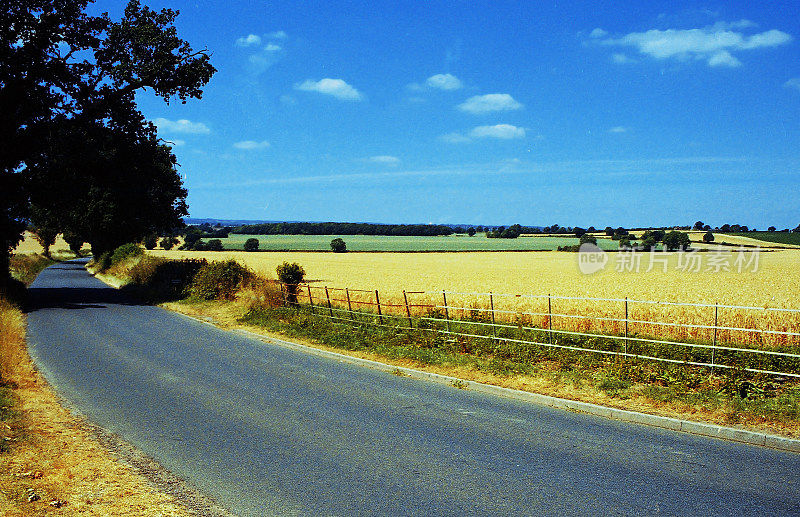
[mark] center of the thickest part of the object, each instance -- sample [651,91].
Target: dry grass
[53,456]
[30,245]
[775,283]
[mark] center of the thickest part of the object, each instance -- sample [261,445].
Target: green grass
[777,237]
[409,244]
[767,399]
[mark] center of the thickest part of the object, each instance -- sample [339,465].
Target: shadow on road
[82,291]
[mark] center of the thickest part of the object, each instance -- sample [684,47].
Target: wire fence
[764,340]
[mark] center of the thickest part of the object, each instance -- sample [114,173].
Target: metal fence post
[626,324]
[378,303]
[716,320]
[328,296]
[408,311]
[549,318]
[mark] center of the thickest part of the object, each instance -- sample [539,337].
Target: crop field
[790,238]
[399,243]
[772,280]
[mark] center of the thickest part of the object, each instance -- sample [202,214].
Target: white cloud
[414,87]
[384,159]
[250,145]
[277,35]
[488,103]
[251,40]
[288,100]
[271,47]
[621,59]
[598,33]
[618,129]
[444,82]
[502,131]
[724,58]
[714,44]
[454,138]
[335,87]
[181,126]
[793,83]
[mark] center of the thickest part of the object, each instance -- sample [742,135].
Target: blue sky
[602,113]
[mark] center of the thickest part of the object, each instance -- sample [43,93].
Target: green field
[778,237]
[392,243]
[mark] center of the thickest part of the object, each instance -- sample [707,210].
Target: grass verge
[49,460]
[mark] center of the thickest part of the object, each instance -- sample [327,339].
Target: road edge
[673,424]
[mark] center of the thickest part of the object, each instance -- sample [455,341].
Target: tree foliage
[251,244]
[67,86]
[338,245]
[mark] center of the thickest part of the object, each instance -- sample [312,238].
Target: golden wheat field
[768,279]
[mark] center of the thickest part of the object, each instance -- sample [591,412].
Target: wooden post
[491,307]
[349,306]
[408,311]
[283,293]
[310,298]
[446,312]
[328,296]
[378,303]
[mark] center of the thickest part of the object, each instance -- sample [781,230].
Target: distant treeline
[428,230]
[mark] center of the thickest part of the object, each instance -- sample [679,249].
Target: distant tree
[698,225]
[75,242]
[46,237]
[706,227]
[676,240]
[512,232]
[150,241]
[214,245]
[609,231]
[578,231]
[626,244]
[590,239]
[725,228]
[291,276]
[168,242]
[797,228]
[771,229]
[338,245]
[708,237]
[591,229]
[471,231]
[251,244]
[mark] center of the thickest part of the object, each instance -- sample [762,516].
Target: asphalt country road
[267,430]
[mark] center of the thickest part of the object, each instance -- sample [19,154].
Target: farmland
[407,244]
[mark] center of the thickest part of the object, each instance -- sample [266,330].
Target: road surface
[267,430]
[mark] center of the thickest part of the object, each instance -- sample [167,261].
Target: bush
[586,238]
[124,252]
[219,280]
[213,245]
[251,244]
[338,246]
[708,237]
[291,275]
[160,280]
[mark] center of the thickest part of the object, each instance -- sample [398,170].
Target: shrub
[708,237]
[159,280]
[213,245]
[219,280]
[586,238]
[124,252]
[291,275]
[338,246]
[251,244]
